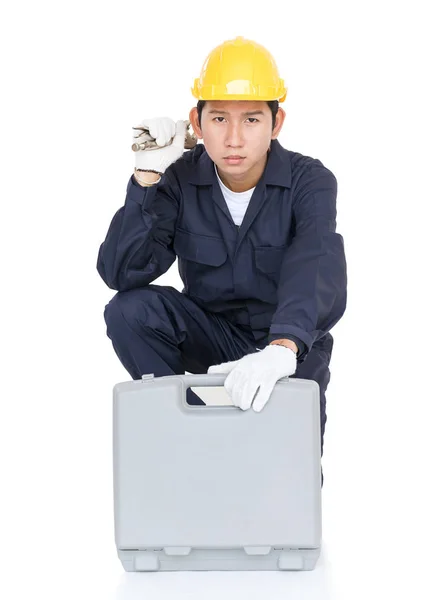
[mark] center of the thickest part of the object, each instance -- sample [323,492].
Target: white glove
[259,371]
[163,130]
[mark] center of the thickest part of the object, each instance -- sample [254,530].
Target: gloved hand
[258,371]
[163,130]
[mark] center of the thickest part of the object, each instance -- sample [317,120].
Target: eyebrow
[215,111]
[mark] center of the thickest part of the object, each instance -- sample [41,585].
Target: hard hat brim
[239,90]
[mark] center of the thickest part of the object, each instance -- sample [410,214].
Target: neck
[246,181]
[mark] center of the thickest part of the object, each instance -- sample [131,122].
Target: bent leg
[157,329]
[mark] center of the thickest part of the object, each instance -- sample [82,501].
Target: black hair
[272,104]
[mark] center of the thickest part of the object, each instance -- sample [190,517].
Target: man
[254,228]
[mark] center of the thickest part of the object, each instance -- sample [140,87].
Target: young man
[254,228]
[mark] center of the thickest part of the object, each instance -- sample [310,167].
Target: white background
[76,77]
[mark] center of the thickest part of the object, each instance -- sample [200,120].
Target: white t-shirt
[237,201]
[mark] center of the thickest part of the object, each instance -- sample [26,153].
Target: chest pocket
[201,264]
[269,259]
[199,248]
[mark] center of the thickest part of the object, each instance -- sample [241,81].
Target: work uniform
[280,274]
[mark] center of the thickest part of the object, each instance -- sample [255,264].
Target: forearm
[138,245]
[285,342]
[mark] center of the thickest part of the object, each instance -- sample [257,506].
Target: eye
[251,119]
[218,118]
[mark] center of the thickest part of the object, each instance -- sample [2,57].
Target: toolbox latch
[177,550]
[257,550]
[147,377]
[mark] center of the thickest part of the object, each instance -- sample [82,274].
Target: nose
[234,138]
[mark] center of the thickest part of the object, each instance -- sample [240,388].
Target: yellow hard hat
[239,69]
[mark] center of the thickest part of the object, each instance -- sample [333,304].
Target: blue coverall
[280,274]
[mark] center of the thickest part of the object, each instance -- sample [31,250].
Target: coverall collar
[276,172]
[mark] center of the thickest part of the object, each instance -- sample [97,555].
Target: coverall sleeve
[312,291]
[138,245]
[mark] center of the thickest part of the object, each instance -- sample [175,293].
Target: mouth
[233,159]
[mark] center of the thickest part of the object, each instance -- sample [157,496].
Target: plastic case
[216,487]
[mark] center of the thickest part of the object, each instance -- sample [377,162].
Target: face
[237,136]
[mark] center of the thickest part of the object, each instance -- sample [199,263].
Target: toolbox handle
[209,380]
[212,380]
[205,380]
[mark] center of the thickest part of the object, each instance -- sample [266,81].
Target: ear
[280,118]
[195,124]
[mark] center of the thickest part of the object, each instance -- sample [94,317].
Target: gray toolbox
[215,487]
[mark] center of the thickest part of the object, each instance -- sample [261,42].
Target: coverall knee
[156,329]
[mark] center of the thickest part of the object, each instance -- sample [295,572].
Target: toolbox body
[216,487]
